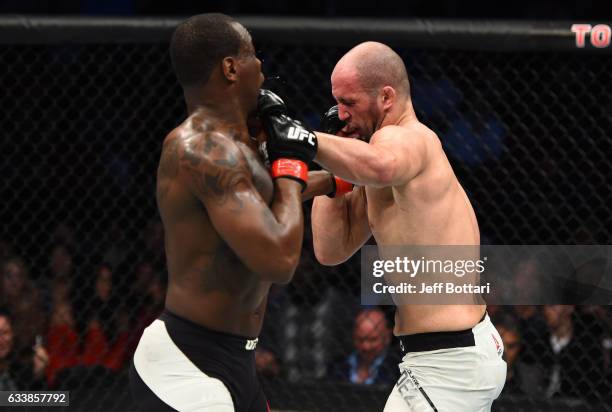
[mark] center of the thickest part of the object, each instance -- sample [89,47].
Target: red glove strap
[291,168]
[342,186]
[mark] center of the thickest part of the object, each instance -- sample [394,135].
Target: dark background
[519,9]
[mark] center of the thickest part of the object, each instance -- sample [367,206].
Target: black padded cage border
[484,35]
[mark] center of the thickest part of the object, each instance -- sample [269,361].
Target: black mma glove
[290,145]
[331,124]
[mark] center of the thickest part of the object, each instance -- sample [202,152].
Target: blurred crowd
[66,319]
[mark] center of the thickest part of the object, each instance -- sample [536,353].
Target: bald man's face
[371,335]
[356,106]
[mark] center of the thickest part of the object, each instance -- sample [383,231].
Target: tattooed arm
[268,240]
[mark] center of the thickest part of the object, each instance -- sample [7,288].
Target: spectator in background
[572,361]
[532,328]
[61,262]
[106,324]
[266,363]
[370,363]
[21,298]
[521,378]
[59,275]
[62,338]
[96,336]
[16,374]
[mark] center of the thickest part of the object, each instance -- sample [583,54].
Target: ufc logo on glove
[297,133]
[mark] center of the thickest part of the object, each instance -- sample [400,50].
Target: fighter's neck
[231,114]
[400,118]
[203,118]
[215,104]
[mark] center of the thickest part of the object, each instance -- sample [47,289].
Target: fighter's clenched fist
[290,145]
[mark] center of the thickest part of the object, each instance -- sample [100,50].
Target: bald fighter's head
[375,66]
[369,82]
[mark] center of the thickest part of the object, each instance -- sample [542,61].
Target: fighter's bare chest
[261,177]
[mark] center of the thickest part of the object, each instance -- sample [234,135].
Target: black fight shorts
[181,366]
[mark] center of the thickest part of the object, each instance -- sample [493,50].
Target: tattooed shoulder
[216,167]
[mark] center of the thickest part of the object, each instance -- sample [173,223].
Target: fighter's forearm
[287,229]
[353,160]
[319,183]
[330,229]
[287,209]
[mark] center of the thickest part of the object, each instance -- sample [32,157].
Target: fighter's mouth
[349,132]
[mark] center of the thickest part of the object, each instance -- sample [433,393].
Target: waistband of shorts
[188,330]
[422,342]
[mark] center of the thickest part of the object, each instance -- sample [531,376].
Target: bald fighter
[230,229]
[406,193]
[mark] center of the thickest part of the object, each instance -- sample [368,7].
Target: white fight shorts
[459,371]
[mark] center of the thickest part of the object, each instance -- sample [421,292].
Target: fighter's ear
[388,97]
[228,66]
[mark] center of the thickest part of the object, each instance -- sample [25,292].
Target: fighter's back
[208,283]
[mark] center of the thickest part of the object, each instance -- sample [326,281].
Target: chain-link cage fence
[83,272]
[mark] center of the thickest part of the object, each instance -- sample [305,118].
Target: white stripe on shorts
[174,378]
